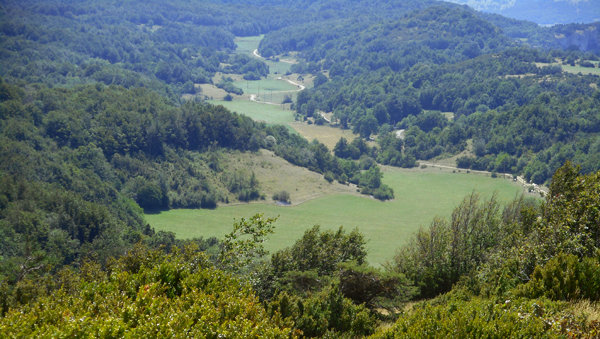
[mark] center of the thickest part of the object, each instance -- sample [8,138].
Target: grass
[272,114]
[586,308]
[264,86]
[270,89]
[420,196]
[278,67]
[212,91]
[574,69]
[579,69]
[325,134]
[299,182]
[246,45]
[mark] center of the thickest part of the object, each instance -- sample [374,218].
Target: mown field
[247,44]
[272,114]
[265,86]
[574,69]
[325,134]
[420,196]
[272,89]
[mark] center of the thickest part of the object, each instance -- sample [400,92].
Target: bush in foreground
[147,294]
[488,318]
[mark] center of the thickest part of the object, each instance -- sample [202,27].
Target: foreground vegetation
[146,293]
[522,269]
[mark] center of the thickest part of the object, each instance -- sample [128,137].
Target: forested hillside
[513,104]
[102,120]
[167,47]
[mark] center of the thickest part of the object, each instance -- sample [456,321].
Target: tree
[365,126]
[341,148]
[364,284]
[371,178]
[571,217]
[319,80]
[244,245]
[438,256]
[151,197]
[321,251]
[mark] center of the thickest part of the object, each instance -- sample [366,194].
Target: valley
[299,169]
[420,192]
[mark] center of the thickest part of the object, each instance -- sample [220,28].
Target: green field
[247,44]
[579,69]
[574,69]
[420,196]
[272,114]
[265,86]
[271,89]
[278,67]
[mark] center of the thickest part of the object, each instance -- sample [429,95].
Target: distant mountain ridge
[542,12]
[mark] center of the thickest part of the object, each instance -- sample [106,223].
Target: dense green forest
[94,131]
[520,111]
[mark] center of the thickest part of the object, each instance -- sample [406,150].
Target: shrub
[249,194]
[383,192]
[326,313]
[282,196]
[287,99]
[564,277]
[151,197]
[147,294]
[484,318]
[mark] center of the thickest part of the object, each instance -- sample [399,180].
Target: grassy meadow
[275,114]
[271,114]
[574,69]
[247,44]
[579,69]
[265,86]
[272,89]
[325,134]
[420,196]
